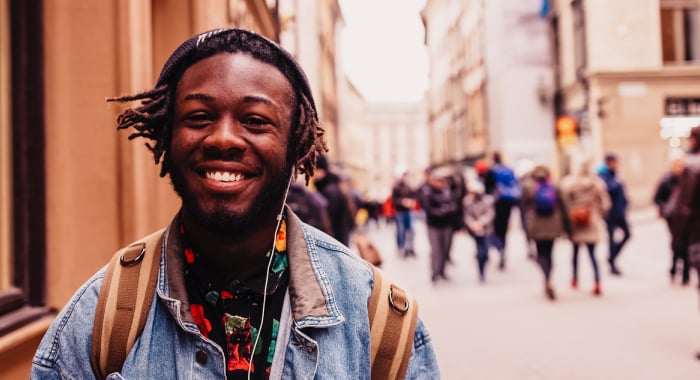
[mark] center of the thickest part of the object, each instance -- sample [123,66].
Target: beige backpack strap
[393,314]
[123,304]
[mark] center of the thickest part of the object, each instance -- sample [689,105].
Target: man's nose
[225,138]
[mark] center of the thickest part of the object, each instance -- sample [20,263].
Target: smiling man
[244,289]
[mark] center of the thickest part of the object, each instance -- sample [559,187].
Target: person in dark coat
[665,203]
[440,206]
[617,216]
[340,204]
[685,217]
[310,206]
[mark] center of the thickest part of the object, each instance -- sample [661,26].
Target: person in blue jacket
[616,219]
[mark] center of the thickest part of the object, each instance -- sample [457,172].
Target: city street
[642,327]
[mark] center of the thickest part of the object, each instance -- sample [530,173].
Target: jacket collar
[310,292]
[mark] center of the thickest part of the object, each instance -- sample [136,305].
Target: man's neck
[233,255]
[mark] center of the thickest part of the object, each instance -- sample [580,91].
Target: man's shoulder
[68,333]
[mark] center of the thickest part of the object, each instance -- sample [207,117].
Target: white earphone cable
[267,275]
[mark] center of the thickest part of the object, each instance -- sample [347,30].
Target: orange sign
[566,125]
[566,131]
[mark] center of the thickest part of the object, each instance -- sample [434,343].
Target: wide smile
[224,180]
[223,176]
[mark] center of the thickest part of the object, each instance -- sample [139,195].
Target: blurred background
[404,84]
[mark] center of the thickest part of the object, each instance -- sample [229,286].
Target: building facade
[311,31]
[354,136]
[456,95]
[519,81]
[397,138]
[628,72]
[489,71]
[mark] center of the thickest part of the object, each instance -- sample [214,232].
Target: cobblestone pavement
[642,327]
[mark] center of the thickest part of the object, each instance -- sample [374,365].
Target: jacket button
[201,357]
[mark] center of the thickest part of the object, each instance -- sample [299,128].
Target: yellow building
[72,188]
[629,74]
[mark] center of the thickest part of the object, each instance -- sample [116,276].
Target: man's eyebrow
[197,96]
[258,99]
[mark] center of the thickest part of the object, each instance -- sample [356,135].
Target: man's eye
[197,119]
[255,121]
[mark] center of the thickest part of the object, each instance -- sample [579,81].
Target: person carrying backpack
[546,220]
[236,286]
[500,181]
[587,202]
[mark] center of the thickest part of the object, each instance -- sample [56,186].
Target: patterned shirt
[228,311]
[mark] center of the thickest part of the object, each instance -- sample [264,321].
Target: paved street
[643,327]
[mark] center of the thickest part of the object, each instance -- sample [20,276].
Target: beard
[223,221]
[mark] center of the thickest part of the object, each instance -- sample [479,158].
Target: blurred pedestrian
[501,182]
[587,202]
[440,208]
[546,220]
[341,206]
[479,213]
[665,201]
[523,171]
[310,206]
[617,216]
[403,197]
[685,217]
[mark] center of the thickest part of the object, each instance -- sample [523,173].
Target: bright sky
[383,51]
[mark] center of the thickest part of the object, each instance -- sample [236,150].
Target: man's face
[231,128]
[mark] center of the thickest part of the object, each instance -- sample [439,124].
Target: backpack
[545,199]
[506,184]
[130,282]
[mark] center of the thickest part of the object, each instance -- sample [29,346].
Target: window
[22,213]
[679,31]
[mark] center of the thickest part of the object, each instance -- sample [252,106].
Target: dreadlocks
[153,121]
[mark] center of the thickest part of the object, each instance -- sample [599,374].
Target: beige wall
[82,145]
[623,35]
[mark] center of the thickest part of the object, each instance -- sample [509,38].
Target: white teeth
[224,176]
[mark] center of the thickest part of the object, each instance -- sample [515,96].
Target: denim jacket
[324,328]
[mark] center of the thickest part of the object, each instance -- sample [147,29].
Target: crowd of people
[579,207]
[586,205]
